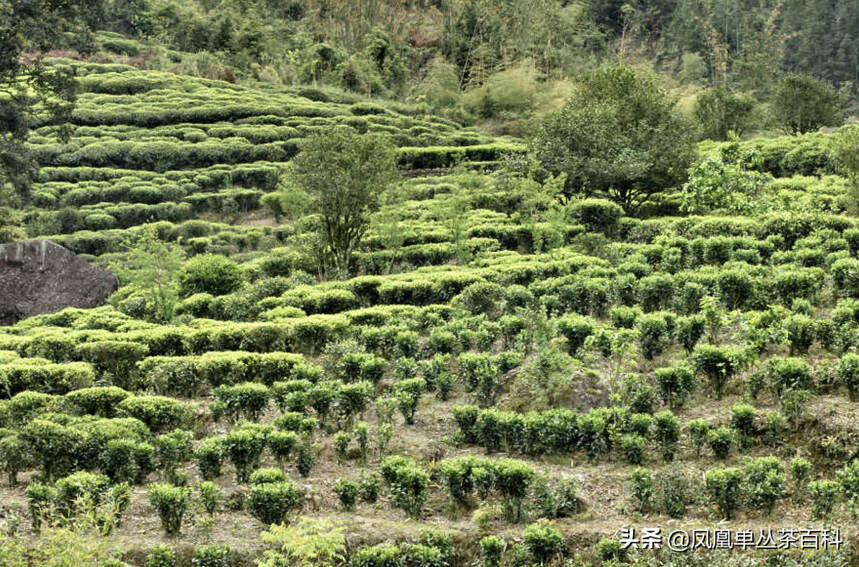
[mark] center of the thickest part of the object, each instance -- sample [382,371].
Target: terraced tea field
[489,382]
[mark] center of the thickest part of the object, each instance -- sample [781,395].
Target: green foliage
[55,447]
[347,493]
[209,456]
[728,184]
[407,482]
[652,335]
[556,498]
[28,84]
[512,479]
[159,413]
[597,215]
[743,421]
[305,458]
[466,420]
[720,440]
[13,457]
[542,541]
[848,479]
[172,450]
[824,495]
[149,268]
[99,400]
[492,550]
[611,550]
[763,483]
[848,374]
[675,384]
[719,364]
[341,445]
[368,487]
[776,425]
[262,476]
[618,135]
[667,433]
[271,502]
[162,556]
[244,446]
[632,447]
[341,176]
[209,273]
[720,112]
[794,406]
[492,282]
[641,489]
[723,487]
[210,496]
[171,503]
[801,103]
[245,400]
[480,297]
[800,473]
[689,330]
[674,493]
[638,393]
[212,556]
[575,328]
[846,152]
[481,374]
[311,543]
[408,394]
[789,373]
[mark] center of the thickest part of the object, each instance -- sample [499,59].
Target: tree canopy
[801,104]
[619,135]
[29,89]
[340,176]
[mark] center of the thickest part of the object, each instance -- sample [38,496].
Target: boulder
[40,276]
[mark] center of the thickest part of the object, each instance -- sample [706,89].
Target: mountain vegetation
[433,283]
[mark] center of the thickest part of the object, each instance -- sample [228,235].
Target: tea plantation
[492,384]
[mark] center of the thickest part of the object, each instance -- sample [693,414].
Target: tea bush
[271,502]
[347,494]
[542,541]
[720,440]
[824,495]
[209,273]
[763,483]
[641,489]
[723,487]
[212,556]
[667,433]
[675,384]
[171,503]
[245,400]
[408,484]
[159,413]
[243,447]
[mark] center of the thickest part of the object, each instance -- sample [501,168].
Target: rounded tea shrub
[543,541]
[270,502]
[171,503]
[209,273]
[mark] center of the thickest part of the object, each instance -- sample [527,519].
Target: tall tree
[802,103]
[619,135]
[31,92]
[339,176]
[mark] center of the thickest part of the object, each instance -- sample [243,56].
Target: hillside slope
[485,368]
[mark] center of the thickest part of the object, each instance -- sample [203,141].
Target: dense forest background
[492,61]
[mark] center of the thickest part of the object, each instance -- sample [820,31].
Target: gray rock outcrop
[40,276]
